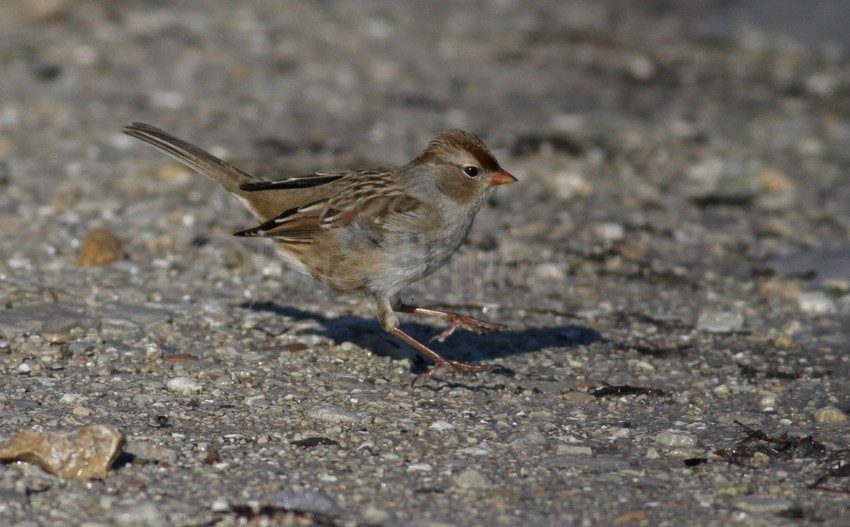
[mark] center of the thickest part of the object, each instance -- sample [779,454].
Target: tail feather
[194,157]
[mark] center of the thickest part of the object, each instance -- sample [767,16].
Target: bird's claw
[475,325]
[464,368]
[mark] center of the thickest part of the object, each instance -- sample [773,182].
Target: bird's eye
[471,171]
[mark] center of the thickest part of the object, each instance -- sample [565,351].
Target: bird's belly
[379,263]
[405,261]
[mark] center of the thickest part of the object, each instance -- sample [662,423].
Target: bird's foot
[475,325]
[464,368]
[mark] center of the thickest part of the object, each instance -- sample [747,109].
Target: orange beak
[502,178]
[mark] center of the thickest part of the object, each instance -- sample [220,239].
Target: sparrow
[371,231]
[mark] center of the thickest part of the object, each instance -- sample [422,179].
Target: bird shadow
[461,345]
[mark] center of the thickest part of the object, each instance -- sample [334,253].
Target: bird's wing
[307,181]
[368,196]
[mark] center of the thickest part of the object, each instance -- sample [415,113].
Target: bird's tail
[190,155]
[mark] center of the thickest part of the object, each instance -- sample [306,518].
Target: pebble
[574,450]
[184,385]
[641,67]
[441,426]
[721,391]
[620,432]
[150,450]
[330,413]
[830,415]
[83,454]
[420,467]
[258,400]
[632,517]
[768,402]
[780,289]
[315,502]
[774,181]
[529,440]
[480,450]
[374,515]
[81,411]
[139,515]
[610,231]
[220,505]
[816,303]
[471,479]
[100,247]
[80,346]
[549,271]
[676,439]
[722,180]
[761,504]
[72,398]
[19,263]
[715,321]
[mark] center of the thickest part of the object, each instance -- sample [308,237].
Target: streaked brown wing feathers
[369,195]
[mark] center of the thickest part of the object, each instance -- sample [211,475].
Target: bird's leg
[389,321]
[441,362]
[455,320]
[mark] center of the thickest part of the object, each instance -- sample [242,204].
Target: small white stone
[258,400]
[420,467]
[761,504]
[721,391]
[184,385]
[530,439]
[441,426]
[476,450]
[620,433]
[330,413]
[220,505]
[768,402]
[641,67]
[169,100]
[471,479]
[816,303]
[676,439]
[549,271]
[715,321]
[19,262]
[610,230]
[72,398]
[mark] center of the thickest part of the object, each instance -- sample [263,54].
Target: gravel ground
[674,264]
